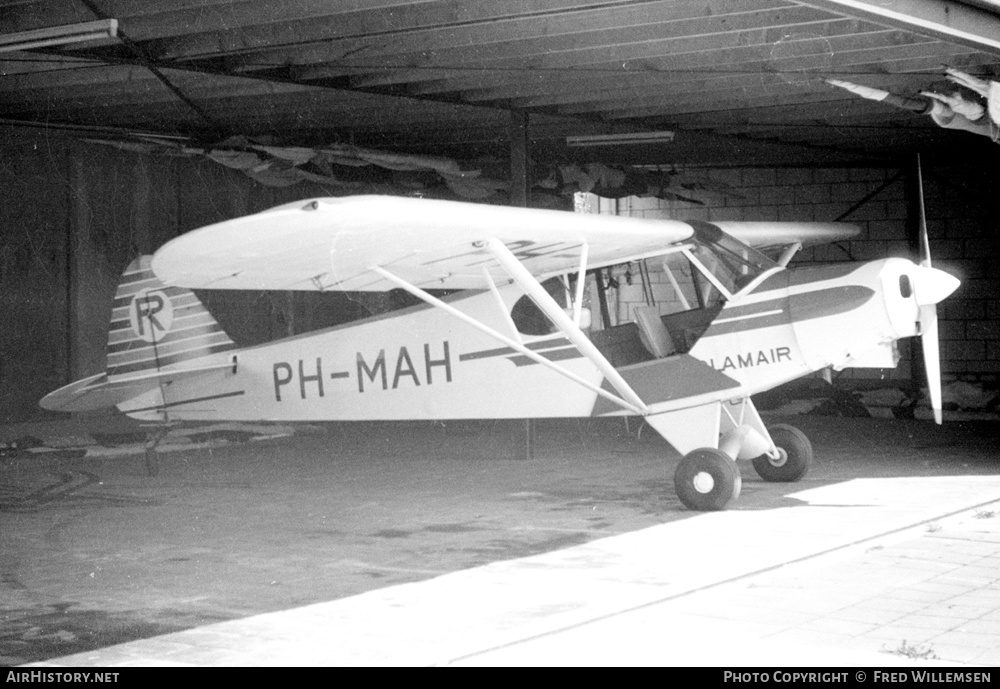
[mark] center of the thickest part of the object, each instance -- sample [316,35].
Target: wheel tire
[796,456]
[707,480]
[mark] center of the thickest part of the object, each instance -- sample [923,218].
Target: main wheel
[795,454]
[707,479]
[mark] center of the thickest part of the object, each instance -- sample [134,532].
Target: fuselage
[807,319]
[423,363]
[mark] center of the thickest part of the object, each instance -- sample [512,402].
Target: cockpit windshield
[657,306]
[734,265]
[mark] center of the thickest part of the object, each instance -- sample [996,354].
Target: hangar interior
[125,124]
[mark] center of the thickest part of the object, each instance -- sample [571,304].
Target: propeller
[930,286]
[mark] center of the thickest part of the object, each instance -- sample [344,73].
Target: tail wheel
[795,455]
[152,463]
[707,480]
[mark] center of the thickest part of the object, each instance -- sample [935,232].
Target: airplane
[498,328]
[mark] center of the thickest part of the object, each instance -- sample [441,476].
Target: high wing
[333,244]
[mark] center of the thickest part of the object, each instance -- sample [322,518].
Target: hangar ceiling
[738,82]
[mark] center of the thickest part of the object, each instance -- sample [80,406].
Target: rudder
[155,326]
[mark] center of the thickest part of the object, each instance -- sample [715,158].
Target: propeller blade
[925,245]
[932,357]
[930,287]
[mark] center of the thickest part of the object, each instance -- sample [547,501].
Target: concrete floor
[95,552]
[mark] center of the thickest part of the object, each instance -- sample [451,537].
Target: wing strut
[548,305]
[639,408]
[788,253]
[581,279]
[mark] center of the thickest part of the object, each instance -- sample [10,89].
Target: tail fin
[154,326]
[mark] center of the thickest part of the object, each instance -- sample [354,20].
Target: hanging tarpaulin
[355,169]
[332,165]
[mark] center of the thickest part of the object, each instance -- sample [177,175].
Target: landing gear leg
[708,477]
[781,453]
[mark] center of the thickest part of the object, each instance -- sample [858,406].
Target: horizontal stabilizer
[97,392]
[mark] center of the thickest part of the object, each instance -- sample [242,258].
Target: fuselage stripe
[748,316]
[224,395]
[570,352]
[505,351]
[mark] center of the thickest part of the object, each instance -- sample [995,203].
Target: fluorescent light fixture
[59,35]
[662,137]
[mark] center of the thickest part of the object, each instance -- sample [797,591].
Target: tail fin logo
[151,315]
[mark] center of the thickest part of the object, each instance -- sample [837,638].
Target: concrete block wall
[963,214]
[629,293]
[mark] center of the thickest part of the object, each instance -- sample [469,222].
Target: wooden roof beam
[942,19]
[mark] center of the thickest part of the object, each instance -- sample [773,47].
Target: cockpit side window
[701,275]
[687,287]
[529,319]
